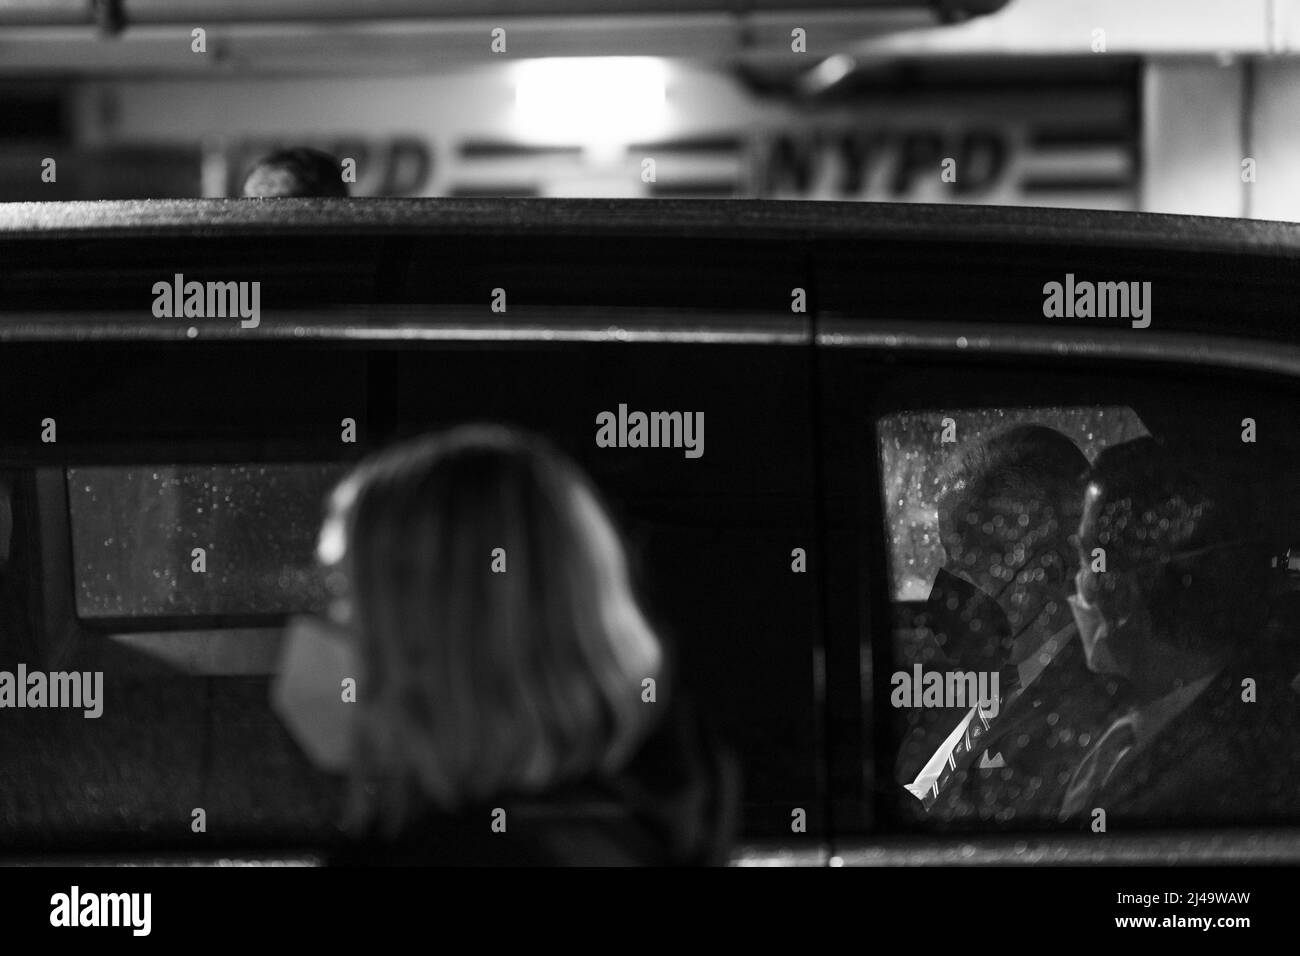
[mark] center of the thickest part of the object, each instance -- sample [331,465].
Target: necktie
[1096,769]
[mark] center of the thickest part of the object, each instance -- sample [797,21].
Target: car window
[164,540]
[1092,620]
[718,550]
[914,447]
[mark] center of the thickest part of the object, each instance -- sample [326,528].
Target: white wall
[1192,137]
[440,109]
[1275,142]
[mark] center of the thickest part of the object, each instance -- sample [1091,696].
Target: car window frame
[847,344]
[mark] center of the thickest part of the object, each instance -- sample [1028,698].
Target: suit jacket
[1041,736]
[960,628]
[1220,761]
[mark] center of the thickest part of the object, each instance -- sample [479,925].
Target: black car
[192,376]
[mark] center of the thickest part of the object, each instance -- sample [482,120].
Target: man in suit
[1180,613]
[1008,509]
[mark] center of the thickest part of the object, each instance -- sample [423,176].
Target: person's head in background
[294,173]
[501,648]
[1008,508]
[1185,584]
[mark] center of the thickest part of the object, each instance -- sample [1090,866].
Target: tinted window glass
[914,447]
[135,531]
[1090,617]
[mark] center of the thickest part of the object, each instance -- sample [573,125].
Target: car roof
[871,272]
[702,218]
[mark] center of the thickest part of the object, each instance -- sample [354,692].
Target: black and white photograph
[546,440]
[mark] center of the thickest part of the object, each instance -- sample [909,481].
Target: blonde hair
[485,672]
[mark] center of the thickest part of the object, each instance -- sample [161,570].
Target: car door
[900,403]
[176,507]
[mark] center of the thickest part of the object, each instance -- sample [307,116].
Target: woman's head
[500,645]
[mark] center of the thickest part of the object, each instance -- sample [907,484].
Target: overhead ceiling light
[826,74]
[601,102]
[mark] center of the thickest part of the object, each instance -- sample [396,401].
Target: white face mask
[1098,634]
[1094,632]
[308,691]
